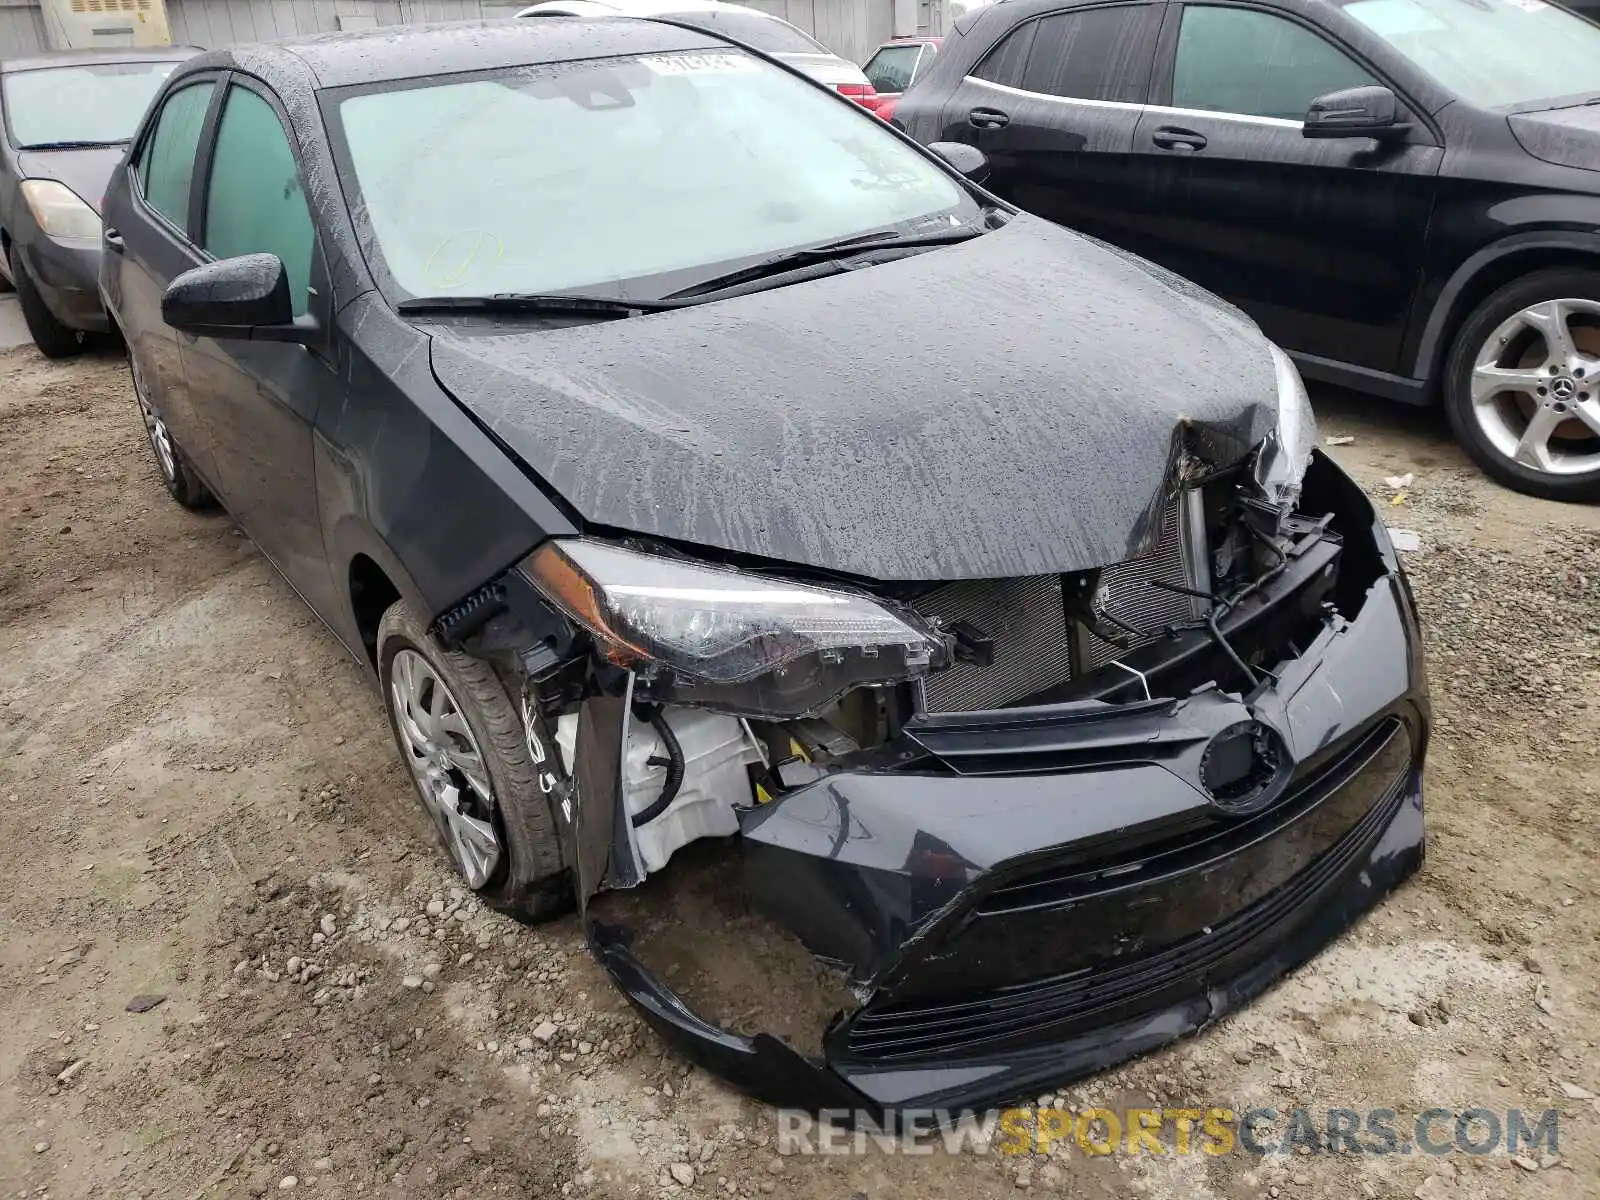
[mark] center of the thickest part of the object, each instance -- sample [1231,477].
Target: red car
[895,66]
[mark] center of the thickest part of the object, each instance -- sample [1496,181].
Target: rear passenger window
[1089,54]
[1092,54]
[1237,60]
[166,164]
[1005,63]
[255,203]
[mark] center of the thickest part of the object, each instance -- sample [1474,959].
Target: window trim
[1164,68]
[1072,10]
[318,283]
[212,78]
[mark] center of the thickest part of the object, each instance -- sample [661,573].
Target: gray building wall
[21,28]
[850,28]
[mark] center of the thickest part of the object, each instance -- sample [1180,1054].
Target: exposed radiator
[1035,647]
[1129,596]
[1032,648]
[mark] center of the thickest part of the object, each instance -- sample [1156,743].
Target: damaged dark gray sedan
[714,479]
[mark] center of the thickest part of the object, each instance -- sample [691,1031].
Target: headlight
[735,641]
[1286,452]
[59,210]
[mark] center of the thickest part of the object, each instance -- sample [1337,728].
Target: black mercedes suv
[1403,193]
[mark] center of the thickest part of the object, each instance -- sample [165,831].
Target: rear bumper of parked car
[67,274]
[1065,893]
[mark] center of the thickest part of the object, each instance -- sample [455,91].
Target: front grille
[1034,647]
[1110,991]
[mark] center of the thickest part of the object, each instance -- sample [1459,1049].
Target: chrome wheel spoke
[1550,319]
[1533,447]
[1489,381]
[472,841]
[470,764]
[447,765]
[1588,411]
[409,729]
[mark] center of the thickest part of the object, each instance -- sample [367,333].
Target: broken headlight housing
[1285,454]
[731,640]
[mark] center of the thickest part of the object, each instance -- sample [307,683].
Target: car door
[1054,104]
[1321,241]
[260,399]
[147,245]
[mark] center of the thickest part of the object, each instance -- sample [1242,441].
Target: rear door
[1054,104]
[1319,240]
[260,399]
[147,245]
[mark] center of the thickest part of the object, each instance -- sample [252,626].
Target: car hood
[825,68]
[86,172]
[1013,405]
[1568,137]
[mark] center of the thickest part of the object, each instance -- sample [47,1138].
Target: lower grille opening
[1036,647]
[1061,1004]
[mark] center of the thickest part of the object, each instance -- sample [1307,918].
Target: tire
[528,880]
[54,339]
[1540,433]
[182,481]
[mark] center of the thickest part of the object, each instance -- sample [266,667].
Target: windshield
[764,33]
[1492,53]
[619,177]
[95,102]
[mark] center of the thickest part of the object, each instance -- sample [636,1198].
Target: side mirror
[969,160]
[245,297]
[1370,112]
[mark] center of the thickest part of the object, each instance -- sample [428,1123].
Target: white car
[766,33]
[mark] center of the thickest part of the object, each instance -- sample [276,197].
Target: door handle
[113,241]
[988,118]
[1170,137]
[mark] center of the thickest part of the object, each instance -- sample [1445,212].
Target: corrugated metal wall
[850,28]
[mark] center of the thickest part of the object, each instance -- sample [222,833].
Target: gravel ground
[232,963]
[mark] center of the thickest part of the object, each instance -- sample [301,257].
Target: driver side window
[254,199]
[166,161]
[1239,60]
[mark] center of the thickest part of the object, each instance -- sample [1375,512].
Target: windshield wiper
[83,145]
[535,302]
[789,260]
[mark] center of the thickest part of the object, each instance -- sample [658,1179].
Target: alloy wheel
[447,764]
[155,428]
[1536,387]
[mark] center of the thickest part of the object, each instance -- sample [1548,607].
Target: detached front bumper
[1065,892]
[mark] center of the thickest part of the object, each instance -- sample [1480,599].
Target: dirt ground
[201,803]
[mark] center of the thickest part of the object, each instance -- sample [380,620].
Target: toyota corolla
[1015,654]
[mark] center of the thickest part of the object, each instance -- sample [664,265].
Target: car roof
[394,52]
[648,8]
[78,58]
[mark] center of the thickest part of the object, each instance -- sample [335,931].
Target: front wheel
[54,339]
[462,739]
[1522,387]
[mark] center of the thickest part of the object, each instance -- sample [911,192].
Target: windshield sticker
[698,64]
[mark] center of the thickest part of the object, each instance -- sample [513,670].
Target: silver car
[67,121]
[769,34]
